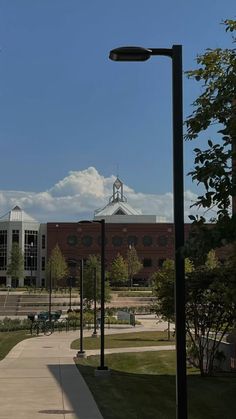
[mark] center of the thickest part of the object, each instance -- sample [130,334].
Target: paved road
[38,378]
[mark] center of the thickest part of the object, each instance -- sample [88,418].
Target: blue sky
[65,107]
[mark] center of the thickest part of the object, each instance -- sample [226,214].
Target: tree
[57,268]
[210,305]
[118,270]
[92,268]
[216,105]
[163,287]
[133,263]
[15,268]
[210,313]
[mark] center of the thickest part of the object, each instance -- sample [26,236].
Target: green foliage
[133,263]
[8,325]
[92,269]
[212,261]
[210,304]
[142,385]
[118,270]
[15,268]
[216,105]
[163,288]
[210,311]
[56,266]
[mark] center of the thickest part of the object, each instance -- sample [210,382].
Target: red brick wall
[154,241]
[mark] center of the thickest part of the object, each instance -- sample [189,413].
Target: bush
[10,325]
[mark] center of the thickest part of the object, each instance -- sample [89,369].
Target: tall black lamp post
[175,53]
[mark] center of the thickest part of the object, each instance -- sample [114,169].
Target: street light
[102,369]
[175,53]
[70,289]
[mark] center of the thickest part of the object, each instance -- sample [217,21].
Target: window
[72,240]
[147,241]
[87,241]
[132,240]
[3,238]
[15,236]
[30,250]
[119,212]
[117,241]
[43,241]
[43,263]
[162,240]
[147,263]
[3,250]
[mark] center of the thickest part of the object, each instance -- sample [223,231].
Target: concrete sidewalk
[38,378]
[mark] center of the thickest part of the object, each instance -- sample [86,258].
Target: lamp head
[130,54]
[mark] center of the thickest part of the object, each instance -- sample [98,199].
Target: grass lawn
[9,339]
[126,340]
[142,386]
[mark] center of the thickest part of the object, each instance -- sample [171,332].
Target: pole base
[81,354]
[102,372]
[94,335]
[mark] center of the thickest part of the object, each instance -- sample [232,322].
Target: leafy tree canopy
[133,262]
[57,266]
[118,270]
[216,105]
[15,268]
[210,304]
[92,270]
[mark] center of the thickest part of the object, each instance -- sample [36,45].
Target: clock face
[72,240]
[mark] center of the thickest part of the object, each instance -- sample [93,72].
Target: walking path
[38,378]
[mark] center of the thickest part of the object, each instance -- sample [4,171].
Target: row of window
[117,241]
[30,248]
[30,237]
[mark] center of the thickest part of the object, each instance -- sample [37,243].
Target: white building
[119,211]
[19,227]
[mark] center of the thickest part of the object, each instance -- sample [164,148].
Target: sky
[71,120]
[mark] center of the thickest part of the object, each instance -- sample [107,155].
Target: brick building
[124,227]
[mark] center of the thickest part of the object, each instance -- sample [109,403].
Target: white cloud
[80,193]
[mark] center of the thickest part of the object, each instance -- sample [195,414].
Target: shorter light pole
[102,369]
[70,292]
[31,263]
[94,334]
[81,352]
